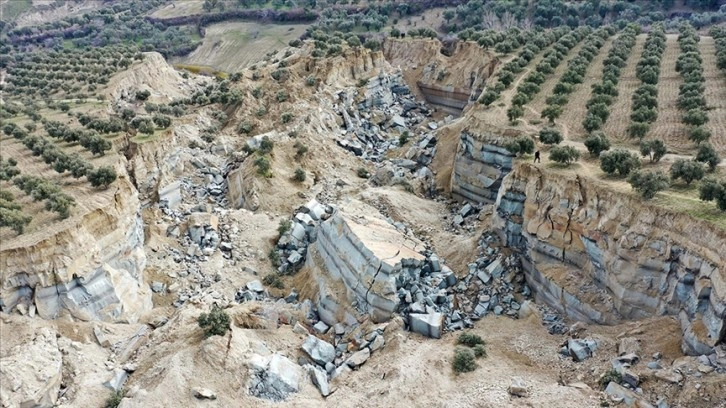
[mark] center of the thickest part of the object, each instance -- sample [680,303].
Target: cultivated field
[668,126]
[715,94]
[232,46]
[616,127]
[576,108]
[178,9]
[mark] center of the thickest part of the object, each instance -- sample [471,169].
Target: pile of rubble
[291,248]
[433,300]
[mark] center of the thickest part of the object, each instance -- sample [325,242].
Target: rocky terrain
[351,286]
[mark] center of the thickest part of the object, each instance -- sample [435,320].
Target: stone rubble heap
[291,248]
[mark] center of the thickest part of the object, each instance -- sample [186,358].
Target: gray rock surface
[319,350]
[273,377]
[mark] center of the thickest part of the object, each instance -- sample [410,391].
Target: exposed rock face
[600,256]
[92,269]
[479,168]
[30,376]
[362,255]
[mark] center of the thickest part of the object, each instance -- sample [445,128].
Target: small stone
[321,327]
[653,365]
[465,210]
[339,329]
[320,379]
[255,286]
[518,388]
[299,329]
[458,219]
[629,345]
[358,358]
[377,343]
[157,287]
[204,393]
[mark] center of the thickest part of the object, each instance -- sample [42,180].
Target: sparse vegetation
[564,154]
[274,281]
[707,154]
[597,143]
[611,376]
[688,170]
[520,145]
[214,323]
[712,189]
[550,136]
[300,175]
[470,339]
[464,360]
[619,161]
[363,172]
[648,183]
[114,400]
[654,149]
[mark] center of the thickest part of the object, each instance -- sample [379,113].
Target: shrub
[713,190]
[274,258]
[403,139]
[284,227]
[363,173]
[286,117]
[550,136]
[648,183]
[592,122]
[695,117]
[515,112]
[281,96]
[143,95]
[258,92]
[273,280]
[688,170]
[103,176]
[261,111]
[311,80]
[480,351]
[12,217]
[266,145]
[114,400]
[373,45]
[655,149]
[597,143]
[564,154]
[263,166]
[619,161]
[464,360]
[707,154]
[611,376]
[300,150]
[638,129]
[300,175]
[552,112]
[470,339]
[214,323]
[245,127]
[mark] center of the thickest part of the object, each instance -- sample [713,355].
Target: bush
[403,139]
[713,190]
[597,143]
[273,280]
[263,166]
[114,400]
[552,112]
[363,173]
[274,258]
[284,227]
[311,80]
[515,112]
[143,95]
[638,129]
[300,175]
[699,134]
[300,150]
[655,149]
[522,144]
[619,161]
[707,154]
[695,117]
[464,360]
[12,217]
[286,117]
[214,323]
[648,183]
[281,96]
[245,127]
[266,145]
[480,351]
[611,376]
[470,339]
[688,170]
[550,136]
[564,154]
[103,176]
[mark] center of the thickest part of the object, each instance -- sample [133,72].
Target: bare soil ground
[668,126]
[232,46]
[616,127]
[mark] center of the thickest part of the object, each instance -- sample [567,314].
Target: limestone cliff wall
[356,262]
[92,269]
[602,256]
[479,168]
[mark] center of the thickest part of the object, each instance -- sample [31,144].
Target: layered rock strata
[92,269]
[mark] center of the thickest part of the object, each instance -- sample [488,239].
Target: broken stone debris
[319,350]
[273,377]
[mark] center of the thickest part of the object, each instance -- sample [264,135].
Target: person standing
[536,157]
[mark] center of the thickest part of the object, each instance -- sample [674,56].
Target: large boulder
[429,325]
[273,377]
[319,351]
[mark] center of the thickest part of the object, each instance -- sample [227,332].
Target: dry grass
[715,95]
[668,126]
[575,110]
[232,46]
[178,9]
[617,124]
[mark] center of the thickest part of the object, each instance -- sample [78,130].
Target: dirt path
[668,126]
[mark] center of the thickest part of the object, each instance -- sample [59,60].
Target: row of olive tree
[575,73]
[644,110]
[605,92]
[505,77]
[691,97]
